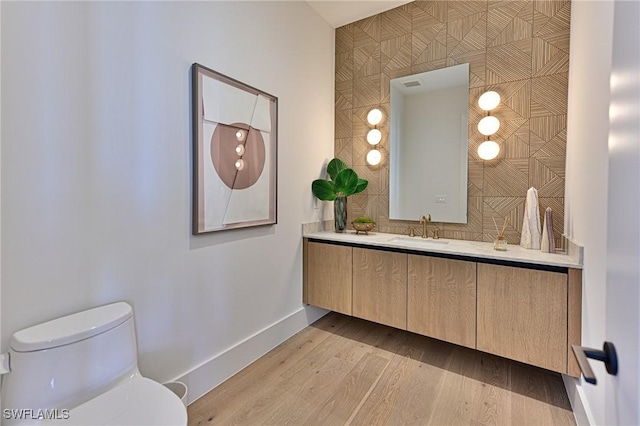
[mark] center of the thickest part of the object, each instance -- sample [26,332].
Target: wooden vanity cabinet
[441,299]
[380,286]
[328,276]
[530,313]
[522,315]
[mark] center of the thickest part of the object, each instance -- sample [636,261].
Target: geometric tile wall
[518,48]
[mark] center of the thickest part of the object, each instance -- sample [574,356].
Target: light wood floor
[343,370]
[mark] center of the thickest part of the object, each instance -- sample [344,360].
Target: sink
[417,240]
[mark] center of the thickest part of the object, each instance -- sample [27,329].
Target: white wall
[96,175]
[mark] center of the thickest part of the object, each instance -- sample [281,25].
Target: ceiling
[342,12]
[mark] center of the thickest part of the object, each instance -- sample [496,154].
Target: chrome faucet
[424,220]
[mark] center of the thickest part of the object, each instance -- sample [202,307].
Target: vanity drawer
[328,276]
[522,315]
[380,287]
[441,299]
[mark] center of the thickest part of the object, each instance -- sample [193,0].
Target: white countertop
[474,249]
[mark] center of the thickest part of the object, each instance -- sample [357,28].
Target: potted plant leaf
[342,182]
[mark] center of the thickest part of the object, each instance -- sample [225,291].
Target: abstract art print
[234,153]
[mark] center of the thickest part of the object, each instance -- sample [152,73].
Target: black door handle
[607,355]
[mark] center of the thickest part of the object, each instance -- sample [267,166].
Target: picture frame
[235,141]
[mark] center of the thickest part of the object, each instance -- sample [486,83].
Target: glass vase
[340,214]
[500,244]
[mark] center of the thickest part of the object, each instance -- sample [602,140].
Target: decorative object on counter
[548,244]
[342,182]
[234,153]
[340,214]
[500,243]
[374,136]
[530,238]
[488,150]
[363,224]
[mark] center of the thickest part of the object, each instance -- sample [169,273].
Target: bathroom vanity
[520,304]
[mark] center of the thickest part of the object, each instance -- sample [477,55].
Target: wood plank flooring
[346,371]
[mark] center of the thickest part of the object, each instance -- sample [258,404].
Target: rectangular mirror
[429,143]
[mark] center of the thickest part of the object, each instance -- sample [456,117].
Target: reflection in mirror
[429,142]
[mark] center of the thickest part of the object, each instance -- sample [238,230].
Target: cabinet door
[329,275]
[522,315]
[380,286]
[441,299]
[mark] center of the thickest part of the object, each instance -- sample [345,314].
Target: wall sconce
[374,157]
[374,117]
[374,136]
[488,150]
[489,100]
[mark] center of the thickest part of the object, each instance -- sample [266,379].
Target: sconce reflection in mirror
[488,150]
[374,136]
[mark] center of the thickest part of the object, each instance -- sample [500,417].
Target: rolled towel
[548,244]
[530,237]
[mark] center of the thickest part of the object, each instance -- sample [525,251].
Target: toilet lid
[136,402]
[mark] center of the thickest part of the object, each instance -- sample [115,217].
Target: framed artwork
[235,139]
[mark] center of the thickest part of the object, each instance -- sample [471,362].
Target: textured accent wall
[518,48]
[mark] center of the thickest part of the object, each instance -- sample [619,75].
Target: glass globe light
[488,125]
[489,100]
[488,150]
[374,136]
[373,157]
[374,117]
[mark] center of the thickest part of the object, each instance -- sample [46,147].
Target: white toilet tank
[63,363]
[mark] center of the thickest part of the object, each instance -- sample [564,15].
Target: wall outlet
[441,199]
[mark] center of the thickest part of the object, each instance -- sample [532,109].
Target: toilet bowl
[82,369]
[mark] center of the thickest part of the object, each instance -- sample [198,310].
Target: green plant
[363,219]
[342,183]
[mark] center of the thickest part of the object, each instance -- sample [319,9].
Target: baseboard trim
[211,373]
[578,401]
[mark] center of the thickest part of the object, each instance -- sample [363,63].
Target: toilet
[82,369]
